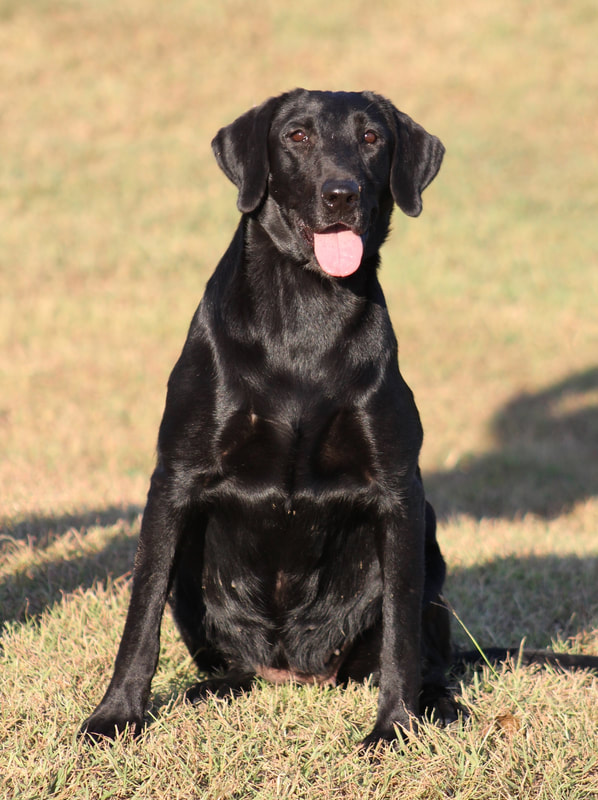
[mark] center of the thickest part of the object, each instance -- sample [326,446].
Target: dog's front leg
[126,697]
[401,552]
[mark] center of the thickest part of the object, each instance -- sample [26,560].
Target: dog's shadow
[29,590]
[532,599]
[545,458]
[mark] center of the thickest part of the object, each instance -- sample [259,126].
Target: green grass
[113,214]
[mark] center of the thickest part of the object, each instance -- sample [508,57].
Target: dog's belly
[287,590]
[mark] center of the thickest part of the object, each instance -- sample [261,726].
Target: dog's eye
[298,136]
[369,137]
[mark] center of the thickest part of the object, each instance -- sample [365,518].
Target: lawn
[113,214]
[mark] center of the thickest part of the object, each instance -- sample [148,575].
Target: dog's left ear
[241,150]
[416,160]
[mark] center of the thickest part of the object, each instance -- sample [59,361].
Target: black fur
[286,517]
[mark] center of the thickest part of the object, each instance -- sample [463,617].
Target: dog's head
[321,170]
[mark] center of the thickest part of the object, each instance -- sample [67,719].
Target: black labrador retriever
[286,518]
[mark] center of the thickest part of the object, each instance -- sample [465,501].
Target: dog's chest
[298,453]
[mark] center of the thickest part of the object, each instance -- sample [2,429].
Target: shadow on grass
[545,458]
[536,598]
[27,592]
[43,530]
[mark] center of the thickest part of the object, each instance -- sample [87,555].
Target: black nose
[340,195]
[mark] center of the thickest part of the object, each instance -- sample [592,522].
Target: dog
[286,521]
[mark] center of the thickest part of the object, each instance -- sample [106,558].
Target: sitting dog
[286,519]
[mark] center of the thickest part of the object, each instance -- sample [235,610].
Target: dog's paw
[447,710]
[381,741]
[438,705]
[227,687]
[378,737]
[105,725]
[388,736]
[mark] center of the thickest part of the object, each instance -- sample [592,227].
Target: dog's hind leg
[363,658]
[187,603]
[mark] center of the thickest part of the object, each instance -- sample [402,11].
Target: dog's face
[321,170]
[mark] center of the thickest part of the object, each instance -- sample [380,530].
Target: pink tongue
[339,253]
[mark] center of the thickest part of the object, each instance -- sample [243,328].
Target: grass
[113,216]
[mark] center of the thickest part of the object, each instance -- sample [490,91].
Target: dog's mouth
[338,250]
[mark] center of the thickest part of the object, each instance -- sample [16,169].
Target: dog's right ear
[241,150]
